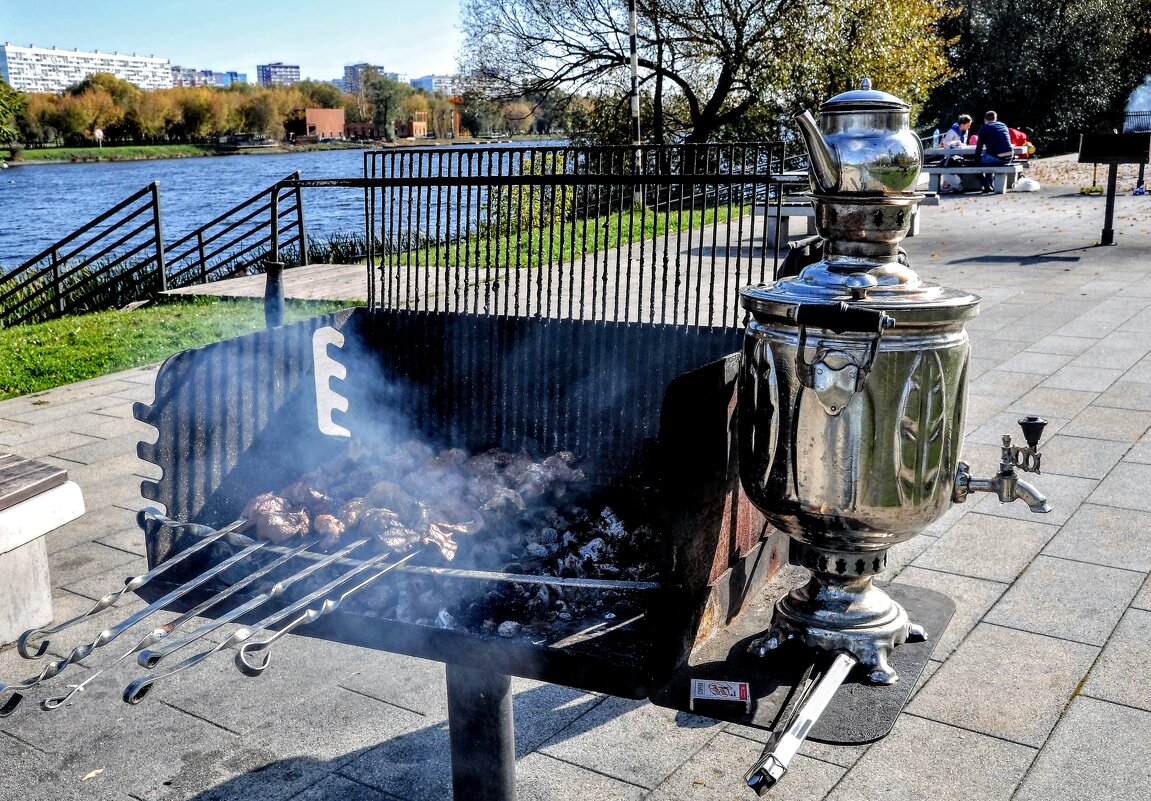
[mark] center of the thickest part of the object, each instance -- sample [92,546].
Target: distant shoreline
[109,154]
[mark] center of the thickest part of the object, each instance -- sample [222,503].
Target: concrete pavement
[1038,688]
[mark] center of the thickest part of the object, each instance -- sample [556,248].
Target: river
[42,203]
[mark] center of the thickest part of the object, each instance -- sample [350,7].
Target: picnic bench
[1003,176]
[35,498]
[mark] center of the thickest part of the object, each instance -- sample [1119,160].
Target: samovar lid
[910,304]
[863,99]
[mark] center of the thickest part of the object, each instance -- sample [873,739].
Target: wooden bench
[1003,176]
[789,209]
[35,498]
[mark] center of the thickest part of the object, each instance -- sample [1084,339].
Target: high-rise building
[277,74]
[444,84]
[43,69]
[354,76]
[187,76]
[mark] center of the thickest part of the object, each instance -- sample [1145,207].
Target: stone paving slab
[1123,673]
[1005,683]
[1098,751]
[906,766]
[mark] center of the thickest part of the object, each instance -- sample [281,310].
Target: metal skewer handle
[780,750]
[131,585]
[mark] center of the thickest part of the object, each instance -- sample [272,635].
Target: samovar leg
[850,615]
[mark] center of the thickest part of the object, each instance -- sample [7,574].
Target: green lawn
[37,357]
[115,153]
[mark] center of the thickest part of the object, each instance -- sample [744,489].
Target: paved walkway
[1038,689]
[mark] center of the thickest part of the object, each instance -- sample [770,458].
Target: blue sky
[415,37]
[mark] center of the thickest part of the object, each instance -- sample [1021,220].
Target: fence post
[300,222]
[159,236]
[274,206]
[56,288]
[203,263]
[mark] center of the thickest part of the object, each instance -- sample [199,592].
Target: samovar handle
[840,318]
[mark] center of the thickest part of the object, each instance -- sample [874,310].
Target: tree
[1053,65]
[706,63]
[11,105]
[320,95]
[386,96]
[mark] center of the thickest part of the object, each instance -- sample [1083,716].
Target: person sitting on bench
[993,148]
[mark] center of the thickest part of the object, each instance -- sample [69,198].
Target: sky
[411,37]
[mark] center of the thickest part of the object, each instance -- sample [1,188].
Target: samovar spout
[1006,484]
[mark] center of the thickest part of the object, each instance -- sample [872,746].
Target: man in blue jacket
[993,147]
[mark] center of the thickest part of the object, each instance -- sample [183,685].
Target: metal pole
[274,295]
[56,288]
[159,236]
[636,139]
[274,234]
[300,223]
[482,735]
[203,261]
[1108,235]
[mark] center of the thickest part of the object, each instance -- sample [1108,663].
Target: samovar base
[851,615]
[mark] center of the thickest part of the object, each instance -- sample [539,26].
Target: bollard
[274,295]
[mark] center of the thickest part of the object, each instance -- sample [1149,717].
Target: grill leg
[482,735]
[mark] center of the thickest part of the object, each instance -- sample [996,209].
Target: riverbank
[115,153]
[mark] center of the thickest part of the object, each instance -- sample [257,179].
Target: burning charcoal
[509,628]
[549,536]
[570,540]
[516,470]
[559,466]
[595,551]
[538,551]
[444,620]
[535,483]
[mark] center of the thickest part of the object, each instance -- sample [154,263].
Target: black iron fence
[650,234]
[266,226]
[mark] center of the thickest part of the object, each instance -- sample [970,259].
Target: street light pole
[637,195]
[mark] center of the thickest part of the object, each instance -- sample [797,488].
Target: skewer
[135,692]
[250,667]
[130,585]
[150,657]
[157,634]
[106,636]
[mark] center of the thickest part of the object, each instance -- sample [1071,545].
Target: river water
[42,203]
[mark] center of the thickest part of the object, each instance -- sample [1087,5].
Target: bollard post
[274,295]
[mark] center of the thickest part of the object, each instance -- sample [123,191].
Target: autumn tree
[706,63]
[386,97]
[11,105]
[1055,66]
[36,123]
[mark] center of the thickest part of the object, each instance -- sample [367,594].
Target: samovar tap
[1006,484]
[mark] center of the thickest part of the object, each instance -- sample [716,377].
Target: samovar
[852,391]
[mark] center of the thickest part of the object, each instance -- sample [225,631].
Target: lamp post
[637,195]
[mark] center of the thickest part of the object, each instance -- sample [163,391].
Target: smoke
[1140,99]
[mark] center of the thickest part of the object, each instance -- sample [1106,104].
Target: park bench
[1003,176]
[35,498]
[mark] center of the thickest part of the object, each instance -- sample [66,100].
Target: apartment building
[44,69]
[277,74]
[187,76]
[447,85]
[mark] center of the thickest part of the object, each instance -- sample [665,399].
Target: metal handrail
[95,267]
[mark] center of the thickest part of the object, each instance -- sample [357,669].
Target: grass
[115,153]
[539,246]
[37,357]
